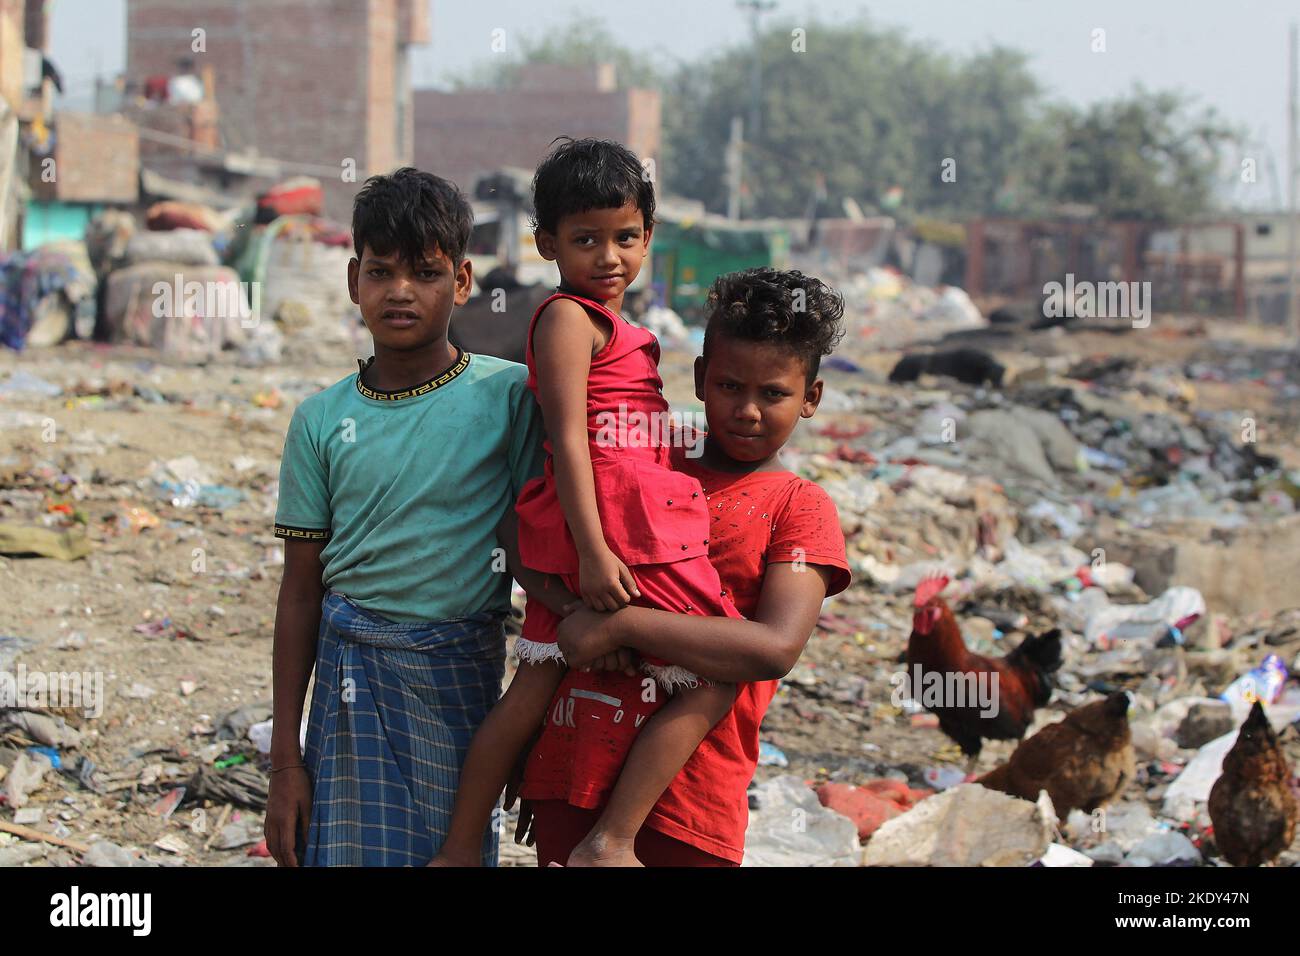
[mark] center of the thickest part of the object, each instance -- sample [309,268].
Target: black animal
[495,322]
[971,366]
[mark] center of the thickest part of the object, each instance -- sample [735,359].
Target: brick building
[309,82]
[464,134]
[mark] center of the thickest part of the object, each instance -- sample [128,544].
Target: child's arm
[547,588]
[551,591]
[564,339]
[297,621]
[718,648]
[491,758]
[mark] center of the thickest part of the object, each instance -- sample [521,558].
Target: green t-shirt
[408,487]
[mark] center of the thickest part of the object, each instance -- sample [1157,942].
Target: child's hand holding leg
[605,582]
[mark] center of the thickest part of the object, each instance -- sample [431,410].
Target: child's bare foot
[600,849]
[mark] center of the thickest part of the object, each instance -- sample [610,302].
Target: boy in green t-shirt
[397,488]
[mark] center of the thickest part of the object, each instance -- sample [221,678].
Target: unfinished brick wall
[307,81]
[96,159]
[462,135]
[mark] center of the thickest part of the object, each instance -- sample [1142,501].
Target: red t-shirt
[756,519]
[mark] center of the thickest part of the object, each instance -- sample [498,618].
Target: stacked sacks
[190,312]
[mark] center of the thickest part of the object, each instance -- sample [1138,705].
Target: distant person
[397,488]
[184,86]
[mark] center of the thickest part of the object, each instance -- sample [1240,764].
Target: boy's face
[753,394]
[404,307]
[599,251]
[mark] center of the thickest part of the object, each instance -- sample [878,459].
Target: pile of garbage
[191,281]
[885,309]
[45,295]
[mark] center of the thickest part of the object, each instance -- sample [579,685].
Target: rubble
[965,826]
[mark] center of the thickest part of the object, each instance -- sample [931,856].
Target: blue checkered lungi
[392,714]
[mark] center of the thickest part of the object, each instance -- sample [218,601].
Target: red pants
[559,827]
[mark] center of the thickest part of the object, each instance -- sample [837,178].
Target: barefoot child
[775,540]
[392,487]
[610,516]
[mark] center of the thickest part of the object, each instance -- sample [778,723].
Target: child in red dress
[610,518]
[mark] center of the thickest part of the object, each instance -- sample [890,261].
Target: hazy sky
[1231,54]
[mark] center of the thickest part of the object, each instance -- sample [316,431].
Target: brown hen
[1083,762]
[1251,805]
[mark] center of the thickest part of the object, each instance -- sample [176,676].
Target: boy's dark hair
[782,308]
[412,212]
[582,174]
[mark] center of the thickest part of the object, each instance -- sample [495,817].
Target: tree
[1147,156]
[867,109]
[581,41]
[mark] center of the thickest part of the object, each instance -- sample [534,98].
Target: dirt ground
[175,603]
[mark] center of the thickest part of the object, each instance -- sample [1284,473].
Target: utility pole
[756,9]
[734,148]
[1292,166]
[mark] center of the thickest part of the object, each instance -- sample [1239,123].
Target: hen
[1082,762]
[1251,804]
[948,679]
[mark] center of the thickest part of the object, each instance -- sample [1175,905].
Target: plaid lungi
[392,714]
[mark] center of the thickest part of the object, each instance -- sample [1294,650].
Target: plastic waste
[104,853]
[667,325]
[49,753]
[260,735]
[25,383]
[823,838]
[1097,458]
[1060,855]
[1264,682]
[1167,848]
[1066,518]
[191,493]
[1192,786]
[1164,618]
[943,778]
[769,755]
[24,777]
[870,805]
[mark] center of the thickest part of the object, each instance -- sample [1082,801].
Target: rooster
[1083,762]
[936,652]
[1251,804]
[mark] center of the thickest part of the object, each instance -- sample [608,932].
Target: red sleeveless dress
[654,518]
